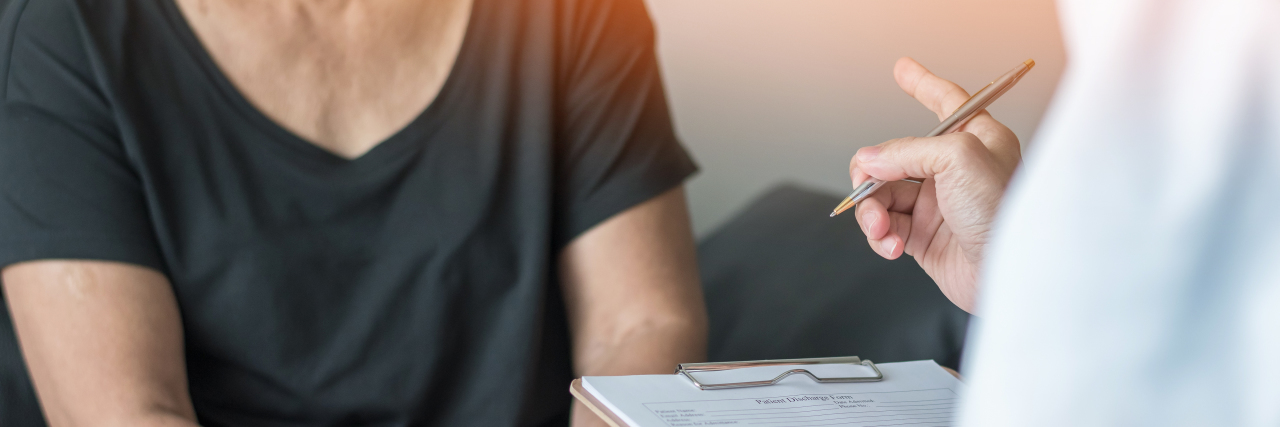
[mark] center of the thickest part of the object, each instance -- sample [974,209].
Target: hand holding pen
[944,221]
[974,105]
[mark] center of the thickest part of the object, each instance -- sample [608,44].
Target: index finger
[936,93]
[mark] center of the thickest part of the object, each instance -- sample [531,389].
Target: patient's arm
[103,342]
[632,293]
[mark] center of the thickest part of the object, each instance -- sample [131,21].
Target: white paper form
[912,394]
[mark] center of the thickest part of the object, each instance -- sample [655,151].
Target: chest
[344,76]
[223,173]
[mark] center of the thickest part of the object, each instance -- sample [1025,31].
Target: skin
[946,221]
[103,340]
[635,304]
[344,75]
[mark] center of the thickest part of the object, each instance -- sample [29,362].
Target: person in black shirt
[293,212]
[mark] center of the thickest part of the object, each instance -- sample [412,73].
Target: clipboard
[575,388]
[691,372]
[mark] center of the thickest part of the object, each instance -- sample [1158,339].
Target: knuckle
[894,147]
[901,141]
[968,147]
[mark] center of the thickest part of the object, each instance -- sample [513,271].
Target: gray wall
[765,91]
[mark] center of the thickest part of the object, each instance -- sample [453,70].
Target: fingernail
[867,154]
[868,221]
[853,176]
[888,245]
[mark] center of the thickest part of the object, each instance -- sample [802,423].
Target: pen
[970,108]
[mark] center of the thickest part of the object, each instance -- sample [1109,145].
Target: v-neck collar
[423,125]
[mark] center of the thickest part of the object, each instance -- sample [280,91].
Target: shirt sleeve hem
[128,251]
[621,196]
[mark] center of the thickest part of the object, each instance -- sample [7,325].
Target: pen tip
[1030,63]
[842,206]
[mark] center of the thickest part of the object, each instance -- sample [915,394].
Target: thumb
[899,159]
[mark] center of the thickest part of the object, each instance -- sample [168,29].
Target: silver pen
[970,108]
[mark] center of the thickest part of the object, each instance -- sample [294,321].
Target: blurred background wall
[765,91]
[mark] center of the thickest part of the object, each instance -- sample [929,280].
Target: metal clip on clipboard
[825,367]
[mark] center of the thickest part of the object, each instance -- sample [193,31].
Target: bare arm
[103,342]
[632,292]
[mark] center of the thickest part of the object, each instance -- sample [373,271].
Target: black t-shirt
[414,285]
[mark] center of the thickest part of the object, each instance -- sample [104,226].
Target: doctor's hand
[944,222]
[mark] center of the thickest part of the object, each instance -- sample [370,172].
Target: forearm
[632,294]
[651,345]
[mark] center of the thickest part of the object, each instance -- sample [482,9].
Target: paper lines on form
[910,408]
